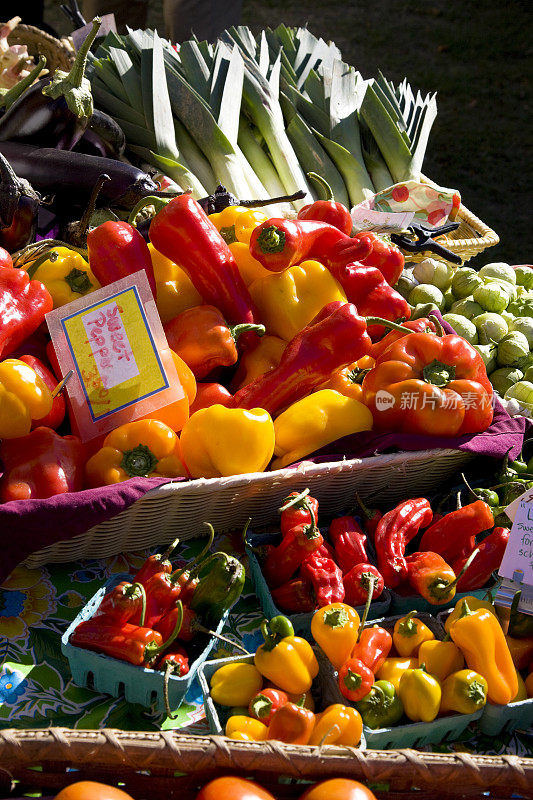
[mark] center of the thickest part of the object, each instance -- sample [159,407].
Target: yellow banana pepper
[218,441]
[473,604]
[314,421]
[285,659]
[338,724]
[288,301]
[335,629]
[174,289]
[480,638]
[246,729]
[65,273]
[392,670]
[146,447]
[440,658]
[24,397]
[409,633]
[259,360]
[235,684]
[464,691]
[236,223]
[420,694]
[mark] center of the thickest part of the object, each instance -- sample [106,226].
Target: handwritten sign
[368,219]
[122,366]
[516,568]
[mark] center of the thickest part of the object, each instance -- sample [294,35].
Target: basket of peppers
[145,636]
[271,694]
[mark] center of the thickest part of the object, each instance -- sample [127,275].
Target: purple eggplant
[55,111]
[19,205]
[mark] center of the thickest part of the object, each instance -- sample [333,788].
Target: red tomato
[232,788]
[5,258]
[338,789]
[90,790]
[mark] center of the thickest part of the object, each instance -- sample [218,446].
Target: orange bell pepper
[146,448]
[176,414]
[202,339]
[338,724]
[408,635]
[259,360]
[335,628]
[348,381]
[292,724]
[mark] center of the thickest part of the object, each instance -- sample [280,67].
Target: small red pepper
[122,602]
[349,542]
[298,508]
[455,533]
[188,629]
[326,551]
[178,658]
[357,584]
[333,342]
[431,577]
[384,255]
[422,325]
[327,210]
[57,413]
[116,249]
[210,394]
[265,704]
[325,577]
[162,594]
[355,679]
[373,647]
[372,517]
[281,243]
[159,562]
[488,559]
[296,596]
[23,304]
[292,724]
[394,531]
[282,561]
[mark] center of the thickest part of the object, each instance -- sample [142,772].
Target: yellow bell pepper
[392,670]
[24,397]
[219,441]
[174,289]
[409,633]
[235,684]
[236,223]
[288,301]
[522,690]
[176,414]
[314,421]
[250,268]
[65,273]
[440,658]
[464,692]
[146,447]
[337,724]
[473,604]
[334,628]
[246,729]
[259,360]
[480,638]
[285,659]
[420,694]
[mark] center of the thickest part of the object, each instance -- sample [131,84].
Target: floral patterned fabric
[36,690]
[432,205]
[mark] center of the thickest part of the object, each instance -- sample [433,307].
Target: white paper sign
[518,556]
[368,219]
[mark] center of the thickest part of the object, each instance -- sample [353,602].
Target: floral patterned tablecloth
[36,689]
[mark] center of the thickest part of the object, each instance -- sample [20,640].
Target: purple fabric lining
[30,525]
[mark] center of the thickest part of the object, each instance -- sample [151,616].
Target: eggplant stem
[91,205]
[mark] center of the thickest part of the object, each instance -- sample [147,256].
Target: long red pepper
[116,249]
[455,533]
[325,577]
[318,350]
[394,531]
[488,559]
[282,561]
[384,255]
[185,234]
[327,210]
[159,562]
[23,304]
[349,542]
[373,647]
[122,602]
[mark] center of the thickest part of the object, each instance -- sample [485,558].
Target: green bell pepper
[381,707]
[221,583]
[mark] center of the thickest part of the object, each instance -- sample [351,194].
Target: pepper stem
[371,583]
[169,669]
[91,205]
[436,322]
[149,200]
[7,99]
[322,183]
[387,324]
[139,461]
[170,549]
[438,374]
[289,502]
[440,589]
[195,564]
[271,240]
[48,256]
[152,651]
[244,327]
[407,626]
[364,509]
[140,587]
[78,280]
[202,629]
[45,245]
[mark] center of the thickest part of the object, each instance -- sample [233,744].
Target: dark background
[476,55]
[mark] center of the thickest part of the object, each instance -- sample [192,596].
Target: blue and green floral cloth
[36,690]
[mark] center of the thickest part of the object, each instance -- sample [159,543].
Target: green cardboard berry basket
[301,622]
[119,678]
[403,604]
[408,734]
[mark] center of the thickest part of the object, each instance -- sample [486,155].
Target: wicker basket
[147,763]
[179,509]
[58,54]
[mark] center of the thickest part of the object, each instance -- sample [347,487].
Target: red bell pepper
[327,210]
[349,542]
[122,602]
[296,596]
[177,658]
[373,647]
[5,258]
[282,561]
[41,464]
[489,558]
[357,584]
[281,243]
[23,304]
[384,255]
[265,704]
[298,508]
[333,342]
[395,530]
[117,249]
[159,562]
[367,289]
[57,413]
[455,533]
[422,325]
[210,394]
[185,234]
[355,679]
[325,577]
